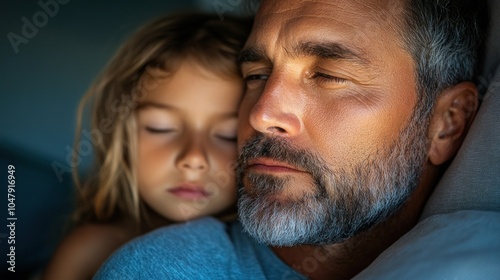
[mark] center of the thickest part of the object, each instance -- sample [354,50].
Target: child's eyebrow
[157,105]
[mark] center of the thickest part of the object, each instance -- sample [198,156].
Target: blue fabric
[461,245]
[201,249]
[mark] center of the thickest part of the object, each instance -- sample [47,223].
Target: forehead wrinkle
[381,13]
[318,8]
[271,13]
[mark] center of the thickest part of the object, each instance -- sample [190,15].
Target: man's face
[330,142]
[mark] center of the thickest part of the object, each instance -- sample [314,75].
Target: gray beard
[344,202]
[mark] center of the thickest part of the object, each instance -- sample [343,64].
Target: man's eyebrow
[328,50]
[251,55]
[324,50]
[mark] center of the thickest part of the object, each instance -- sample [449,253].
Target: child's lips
[189,191]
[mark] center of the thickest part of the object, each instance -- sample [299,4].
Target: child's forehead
[189,86]
[170,68]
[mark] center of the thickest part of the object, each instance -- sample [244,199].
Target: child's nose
[193,156]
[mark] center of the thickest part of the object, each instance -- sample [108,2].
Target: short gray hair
[445,38]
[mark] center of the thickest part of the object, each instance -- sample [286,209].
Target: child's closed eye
[228,138]
[159,130]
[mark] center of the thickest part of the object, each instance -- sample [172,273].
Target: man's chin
[277,220]
[277,188]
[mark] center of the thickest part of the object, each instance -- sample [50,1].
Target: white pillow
[461,245]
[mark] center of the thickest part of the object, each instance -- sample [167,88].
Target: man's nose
[278,110]
[193,156]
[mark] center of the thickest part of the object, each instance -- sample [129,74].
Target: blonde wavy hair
[109,193]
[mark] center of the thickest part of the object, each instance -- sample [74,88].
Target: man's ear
[453,114]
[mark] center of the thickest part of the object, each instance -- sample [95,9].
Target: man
[352,110]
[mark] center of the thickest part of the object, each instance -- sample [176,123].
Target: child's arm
[82,253]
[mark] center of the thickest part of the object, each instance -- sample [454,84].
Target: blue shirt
[200,249]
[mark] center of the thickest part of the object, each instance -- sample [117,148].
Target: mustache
[279,149]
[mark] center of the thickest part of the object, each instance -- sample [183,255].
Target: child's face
[187,142]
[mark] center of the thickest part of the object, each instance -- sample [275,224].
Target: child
[164,116]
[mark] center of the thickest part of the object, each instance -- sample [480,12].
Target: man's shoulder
[193,249]
[201,249]
[206,229]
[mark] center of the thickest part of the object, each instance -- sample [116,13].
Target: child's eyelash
[227,138]
[159,130]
